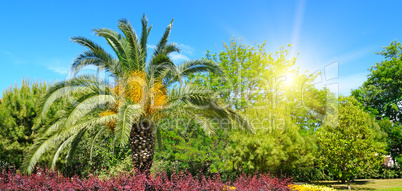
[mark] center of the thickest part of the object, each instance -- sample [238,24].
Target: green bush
[98,156]
[185,147]
[17,115]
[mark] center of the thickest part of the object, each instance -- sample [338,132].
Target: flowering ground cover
[50,180]
[307,187]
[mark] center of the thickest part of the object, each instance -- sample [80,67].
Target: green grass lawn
[392,189]
[367,184]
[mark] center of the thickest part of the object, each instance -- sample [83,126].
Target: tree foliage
[276,99]
[276,146]
[381,93]
[253,77]
[17,116]
[394,138]
[351,143]
[249,72]
[187,148]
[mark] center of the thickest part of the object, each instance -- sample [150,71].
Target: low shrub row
[51,180]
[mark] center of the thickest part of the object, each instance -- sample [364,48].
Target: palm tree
[141,94]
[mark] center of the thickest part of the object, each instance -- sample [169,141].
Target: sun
[289,79]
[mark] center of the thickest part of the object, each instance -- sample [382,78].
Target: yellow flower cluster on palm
[152,96]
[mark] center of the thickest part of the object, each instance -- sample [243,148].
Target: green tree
[394,139]
[252,78]
[187,148]
[250,73]
[381,93]
[351,143]
[308,105]
[143,93]
[277,145]
[17,114]
[266,87]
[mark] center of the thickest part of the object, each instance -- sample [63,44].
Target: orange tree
[143,92]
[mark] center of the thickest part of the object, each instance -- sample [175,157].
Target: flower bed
[48,180]
[307,187]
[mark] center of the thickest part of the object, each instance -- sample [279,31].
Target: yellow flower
[307,187]
[226,187]
[135,88]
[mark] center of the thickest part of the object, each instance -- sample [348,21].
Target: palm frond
[54,125]
[197,66]
[48,141]
[128,115]
[61,148]
[82,84]
[204,121]
[170,48]
[201,105]
[39,147]
[102,128]
[190,94]
[144,36]
[160,66]
[97,56]
[164,39]
[191,67]
[85,106]
[118,44]
[74,143]
[91,58]
[135,47]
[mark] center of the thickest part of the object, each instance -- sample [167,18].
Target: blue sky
[331,35]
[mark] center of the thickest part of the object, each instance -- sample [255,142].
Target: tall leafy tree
[276,145]
[144,91]
[260,85]
[254,77]
[381,93]
[308,105]
[17,114]
[394,139]
[250,73]
[351,143]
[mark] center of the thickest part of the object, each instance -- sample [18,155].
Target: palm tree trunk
[142,145]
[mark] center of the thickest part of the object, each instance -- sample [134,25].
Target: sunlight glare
[289,79]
